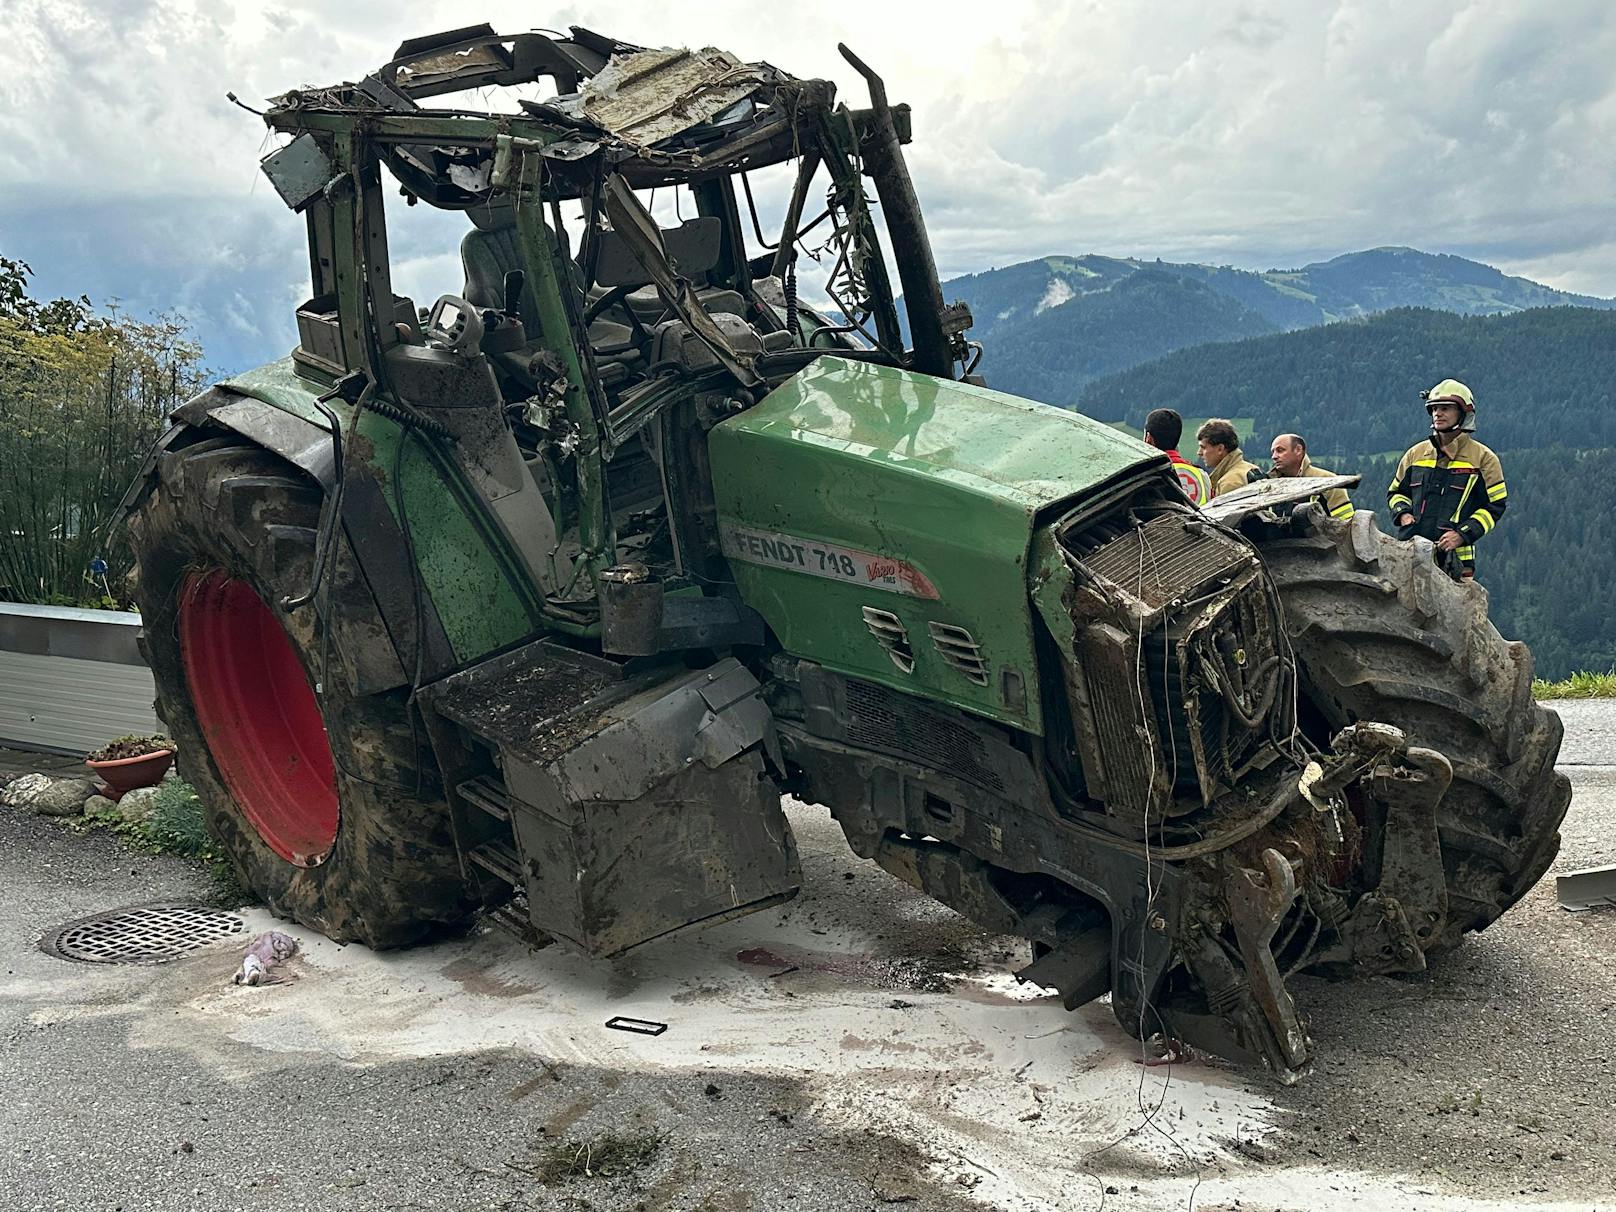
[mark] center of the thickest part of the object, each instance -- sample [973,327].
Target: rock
[100,808]
[136,807]
[48,795]
[21,790]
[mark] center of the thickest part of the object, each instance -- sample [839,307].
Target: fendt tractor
[535,602]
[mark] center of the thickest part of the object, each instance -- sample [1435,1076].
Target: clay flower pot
[125,774]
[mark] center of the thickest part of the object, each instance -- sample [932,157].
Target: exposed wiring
[1149,1114]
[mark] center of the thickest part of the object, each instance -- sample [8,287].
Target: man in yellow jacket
[1289,455]
[1449,488]
[1219,447]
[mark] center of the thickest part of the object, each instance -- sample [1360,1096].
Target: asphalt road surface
[860,1048]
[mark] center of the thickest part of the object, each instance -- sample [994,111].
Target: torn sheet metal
[1590,888]
[1248,499]
[653,95]
[299,171]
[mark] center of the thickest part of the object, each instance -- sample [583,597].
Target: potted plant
[130,762]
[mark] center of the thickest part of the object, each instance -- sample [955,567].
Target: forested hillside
[1541,380]
[1540,377]
[1054,355]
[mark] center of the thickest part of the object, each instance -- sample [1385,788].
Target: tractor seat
[489,254]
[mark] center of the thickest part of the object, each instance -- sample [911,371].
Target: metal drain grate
[146,934]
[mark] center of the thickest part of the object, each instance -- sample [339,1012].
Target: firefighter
[1163,429]
[1449,488]
[1219,446]
[1289,455]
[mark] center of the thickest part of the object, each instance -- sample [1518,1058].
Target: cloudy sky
[1254,134]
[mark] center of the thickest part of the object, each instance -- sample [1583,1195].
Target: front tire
[1381,633]
[327,802]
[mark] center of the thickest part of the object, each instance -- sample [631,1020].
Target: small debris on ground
[605,1156]
[264,954]
[888,1192]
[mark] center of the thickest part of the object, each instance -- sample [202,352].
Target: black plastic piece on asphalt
[635,1026]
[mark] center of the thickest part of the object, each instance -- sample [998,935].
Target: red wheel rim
[259,716]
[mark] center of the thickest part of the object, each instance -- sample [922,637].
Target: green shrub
[175,824]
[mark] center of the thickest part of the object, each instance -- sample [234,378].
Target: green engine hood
[855,488]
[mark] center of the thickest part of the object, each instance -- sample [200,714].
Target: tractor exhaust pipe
[922,294]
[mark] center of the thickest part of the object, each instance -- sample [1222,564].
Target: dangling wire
[791,297]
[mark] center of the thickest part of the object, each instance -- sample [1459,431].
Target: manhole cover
[147,934]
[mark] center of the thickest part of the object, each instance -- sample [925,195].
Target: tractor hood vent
[960,650]
[889,632]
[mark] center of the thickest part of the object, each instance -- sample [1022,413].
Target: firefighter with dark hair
[1163,429]
[1449,488]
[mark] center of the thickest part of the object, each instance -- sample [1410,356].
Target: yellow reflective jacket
[1460,485]
[1336,502]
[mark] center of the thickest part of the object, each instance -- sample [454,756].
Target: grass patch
[606,1156]
[1578,686]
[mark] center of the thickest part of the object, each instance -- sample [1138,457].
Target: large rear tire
[327,801]
[1382,634]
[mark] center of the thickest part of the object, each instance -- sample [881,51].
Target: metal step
[512,918]
[501,860]
[488,793]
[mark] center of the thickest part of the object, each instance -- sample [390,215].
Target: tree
[82,398]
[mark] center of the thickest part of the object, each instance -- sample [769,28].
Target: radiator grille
[882,719]
[1165,558]
[1127,746]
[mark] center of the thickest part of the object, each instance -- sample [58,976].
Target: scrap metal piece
[635,1026]
[655,94]
[1378,937]
[1590,888]
[1258,903]
[1411,868]
[299,171]
[1356,748]
[1231,507]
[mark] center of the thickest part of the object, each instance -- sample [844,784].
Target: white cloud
[1268,133]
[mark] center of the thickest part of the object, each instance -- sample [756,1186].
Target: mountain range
[1053,325]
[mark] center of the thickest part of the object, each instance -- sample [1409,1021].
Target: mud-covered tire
[1381,633]
[221,506]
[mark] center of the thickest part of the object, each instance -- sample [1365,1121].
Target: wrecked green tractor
[536,601]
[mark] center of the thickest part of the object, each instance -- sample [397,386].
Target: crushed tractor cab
[535,601]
